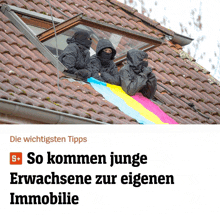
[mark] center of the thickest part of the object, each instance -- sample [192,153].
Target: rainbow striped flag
[137,106]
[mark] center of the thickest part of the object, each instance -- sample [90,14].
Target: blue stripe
[95,81]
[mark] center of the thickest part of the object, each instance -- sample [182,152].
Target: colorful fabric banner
[137,106]
[148,104]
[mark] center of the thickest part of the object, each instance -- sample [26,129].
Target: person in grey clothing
[76,55]
[102,66]
[136,76]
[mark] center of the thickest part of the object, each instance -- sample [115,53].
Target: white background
[190,153]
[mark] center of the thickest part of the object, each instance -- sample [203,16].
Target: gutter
[176,38]
[41,114]
[181,40]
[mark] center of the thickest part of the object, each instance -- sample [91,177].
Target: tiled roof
[26,76]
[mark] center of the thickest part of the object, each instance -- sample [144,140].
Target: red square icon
[15,158]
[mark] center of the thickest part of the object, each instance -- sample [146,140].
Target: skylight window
[122,39]
[61,38]
[38,29]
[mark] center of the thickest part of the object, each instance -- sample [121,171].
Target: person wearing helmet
[136,76]
[102,66]
[76,55]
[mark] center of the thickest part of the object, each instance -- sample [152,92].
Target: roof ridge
[144,18]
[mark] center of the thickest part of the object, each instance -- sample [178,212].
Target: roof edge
[177,38]
[41,114]
[144,18]
[123,6]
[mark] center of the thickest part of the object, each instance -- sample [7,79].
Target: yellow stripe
[135,105]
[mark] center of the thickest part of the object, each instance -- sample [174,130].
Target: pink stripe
[149,105]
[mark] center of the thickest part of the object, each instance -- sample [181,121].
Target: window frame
[81,19]
[21,18]
[10,11]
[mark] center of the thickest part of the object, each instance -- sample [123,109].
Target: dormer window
[122,39]
[38,29]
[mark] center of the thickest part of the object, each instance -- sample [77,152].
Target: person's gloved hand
[146,71]
[105,75]
[83,73]
[144,64]
[71,71]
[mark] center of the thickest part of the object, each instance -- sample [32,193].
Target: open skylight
[122,39]
[38,29]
